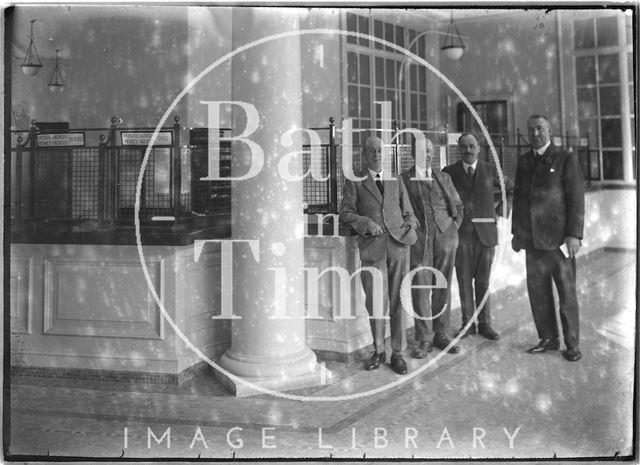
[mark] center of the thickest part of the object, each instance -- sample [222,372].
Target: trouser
[434,304]
[543,268]
[473,270]
[394,266]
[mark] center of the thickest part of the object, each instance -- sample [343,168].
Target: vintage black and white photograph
[335,231]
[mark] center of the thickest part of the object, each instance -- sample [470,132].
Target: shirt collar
[466,165]
[543,149]
[374,174]
[422,173]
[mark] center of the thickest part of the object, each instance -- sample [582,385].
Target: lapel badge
[552,170]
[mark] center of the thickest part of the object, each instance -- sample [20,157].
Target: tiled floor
[513,404]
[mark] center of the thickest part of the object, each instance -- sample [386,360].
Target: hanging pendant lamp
[453,46]
[31,64]
[56,84]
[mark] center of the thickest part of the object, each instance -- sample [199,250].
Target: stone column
[268,351]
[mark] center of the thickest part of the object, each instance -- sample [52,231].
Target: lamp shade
[31,69]
[453,52]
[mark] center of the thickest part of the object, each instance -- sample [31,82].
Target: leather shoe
[398,364]
[441,341]
[374,362]
[544,345]
[422,350]
[572,354]
[468,332]
[488,332]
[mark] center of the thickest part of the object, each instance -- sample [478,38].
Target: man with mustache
[548,215]
[479,187]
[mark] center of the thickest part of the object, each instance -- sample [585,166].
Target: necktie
[379,183]
[471,172]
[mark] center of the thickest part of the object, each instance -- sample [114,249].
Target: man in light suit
[479,187]
[439,211]
[380,212]
[548,213]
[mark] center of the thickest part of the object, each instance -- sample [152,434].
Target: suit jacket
[452,200]
[548,200]
[362,202]
[482,198]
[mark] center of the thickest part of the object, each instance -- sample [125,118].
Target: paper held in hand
[564,250]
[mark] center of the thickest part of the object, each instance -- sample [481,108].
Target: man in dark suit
[438,209]
[379,210]
[548,216]
[479,187]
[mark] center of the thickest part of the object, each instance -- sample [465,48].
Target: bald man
[439,211]
[379,211]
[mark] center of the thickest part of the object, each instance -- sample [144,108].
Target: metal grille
[84,182]
[356,165]
[52,186]
[316,194]
[155,196]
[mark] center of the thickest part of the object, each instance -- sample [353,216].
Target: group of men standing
[430,221]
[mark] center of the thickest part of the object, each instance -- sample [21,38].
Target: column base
[295,371]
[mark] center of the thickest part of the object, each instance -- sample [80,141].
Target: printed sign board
[143,138]
[68,139]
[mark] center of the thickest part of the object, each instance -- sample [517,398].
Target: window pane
[400,36]
[607,31]
[352,67]
[412,35]
[364,69]
[423,108]
[610,100]
[404,105]
[422,79]
[587,102]
[404,79]
[363,26]
[391,73]
[365,124]
[421,50]
[378,31]
[379,94]
[379,72]
[608,68]
[365,102]
[414,107]
[589,128]
[388,33]
[585,70]
[628,29]
[414,77]
[630,66]
[633,131]
[353,101]
[391,97]
[584,34]
[351,27]
[612,164]
[611,132]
